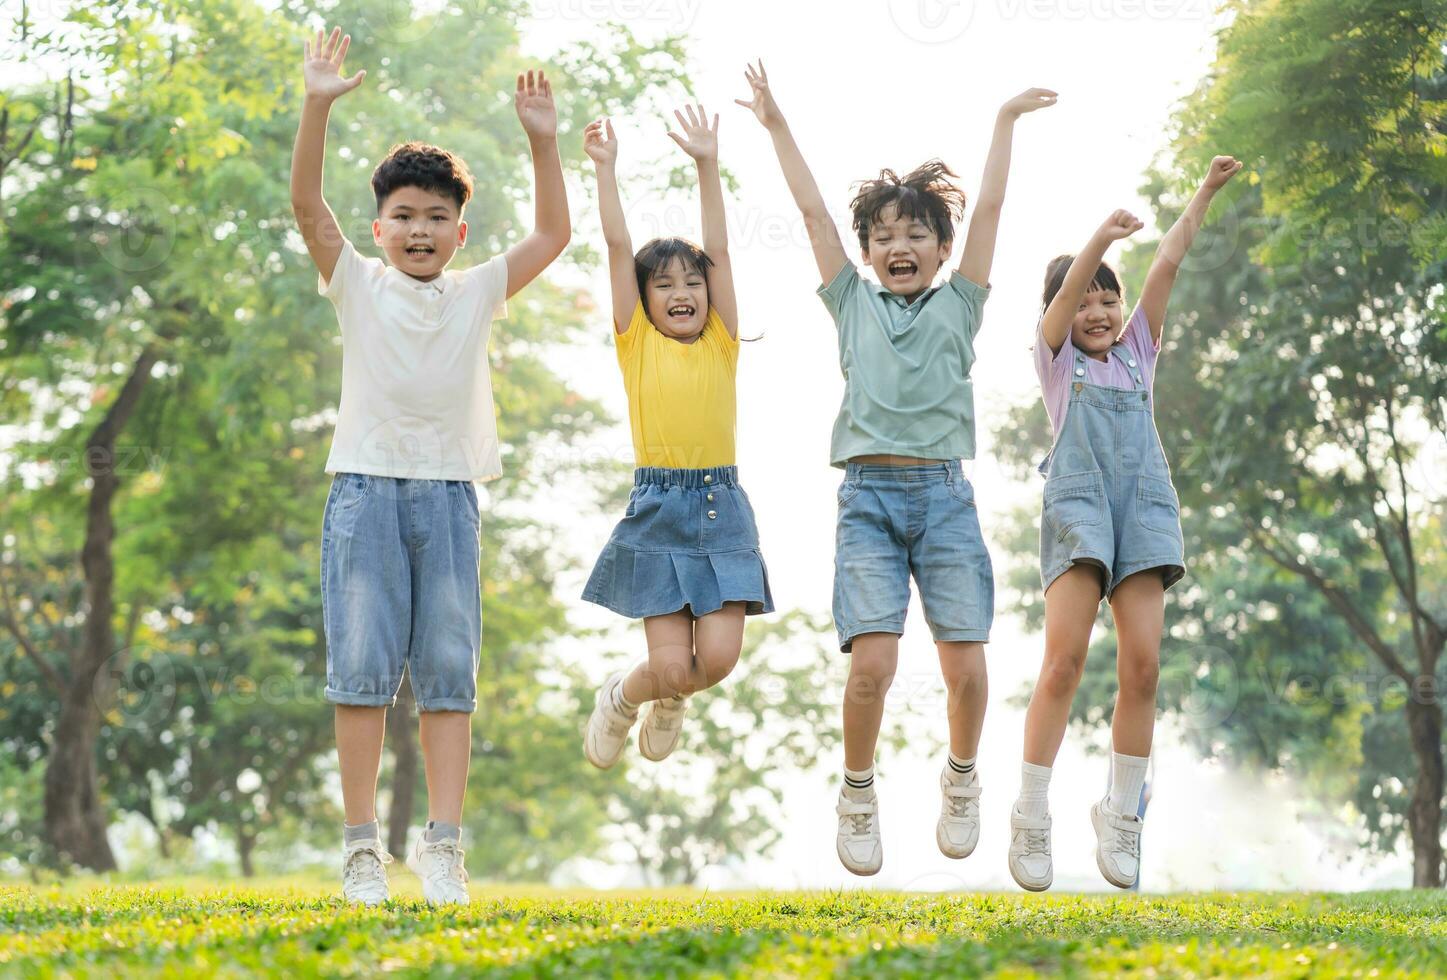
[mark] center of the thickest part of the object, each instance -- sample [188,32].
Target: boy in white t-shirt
[415,431]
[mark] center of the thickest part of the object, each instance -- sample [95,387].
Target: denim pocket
[354,489]
[1157,506]
[962,490]
[848,490]
[1071,501]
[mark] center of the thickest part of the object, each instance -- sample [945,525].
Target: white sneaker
[859,846]
[607,726]
[364,879]
[662,722]
[1030,863]
[1118,845]
[439,864]
[958,829]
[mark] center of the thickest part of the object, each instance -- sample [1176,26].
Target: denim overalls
[1109,500]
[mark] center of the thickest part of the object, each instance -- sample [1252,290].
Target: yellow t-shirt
[680,396]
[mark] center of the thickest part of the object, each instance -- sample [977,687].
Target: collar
[894,297]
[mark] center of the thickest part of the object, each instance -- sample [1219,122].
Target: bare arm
[602,146]
[551,225]
[1055,325]
[1156,294]
[700,141]
[321,72]
[979,253]
[829,254]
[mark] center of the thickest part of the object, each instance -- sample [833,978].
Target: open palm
[322,65]
[762,105]
[699,139]
[534,103]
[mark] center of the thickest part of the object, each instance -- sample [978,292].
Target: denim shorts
[895,521]
[687,541]
[400,589]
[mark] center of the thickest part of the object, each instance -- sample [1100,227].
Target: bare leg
[446,749]
[1071,603]
[670,659]
[871,671]
[718,639]
[1139,607]
[360,730]
[968,689]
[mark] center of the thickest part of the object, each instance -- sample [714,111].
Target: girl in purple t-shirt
[1110,527]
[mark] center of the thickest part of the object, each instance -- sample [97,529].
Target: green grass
[301,929]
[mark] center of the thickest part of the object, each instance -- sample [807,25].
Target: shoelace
[1128,841]
[451,866]
[858,815]
[960,804]
[1036,841]
[359,869]
[668,713]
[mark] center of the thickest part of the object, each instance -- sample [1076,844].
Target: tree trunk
[245,844]
[1424,813]
[75,819]
[402,733]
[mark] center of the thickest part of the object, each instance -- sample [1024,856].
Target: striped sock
[961,767]
[861,782]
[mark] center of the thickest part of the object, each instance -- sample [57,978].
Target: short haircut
[1105,278]
[659,254]
[423,165]
[925,194]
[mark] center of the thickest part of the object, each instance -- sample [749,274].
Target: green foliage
[1301,379]
[294,928]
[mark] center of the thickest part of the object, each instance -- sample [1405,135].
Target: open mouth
[902,269]
[681,312]
[419,251]
[1097,331]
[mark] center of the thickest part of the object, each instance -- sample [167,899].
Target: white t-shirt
[416,391]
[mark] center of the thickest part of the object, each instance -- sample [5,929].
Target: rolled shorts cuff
[847,634]
[447,704]
[962,636]
[372,700]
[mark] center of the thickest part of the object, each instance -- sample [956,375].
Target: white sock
[959,770]
[859,784]
[1127,776]
[1034,798]
[622,703]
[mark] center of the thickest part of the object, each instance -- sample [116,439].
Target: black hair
[1104,279]
[422,165]
[925,194]
[659,254]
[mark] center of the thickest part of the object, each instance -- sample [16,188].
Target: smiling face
[905,253]
[1098,322]
[419,231]
[675,297]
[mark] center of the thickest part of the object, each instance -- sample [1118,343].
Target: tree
[1302,381]
[175,371]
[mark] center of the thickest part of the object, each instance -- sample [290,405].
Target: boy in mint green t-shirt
[906,348]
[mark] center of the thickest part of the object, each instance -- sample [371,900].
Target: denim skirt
[688,541]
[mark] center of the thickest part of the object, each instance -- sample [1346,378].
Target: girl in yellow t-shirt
[685,558]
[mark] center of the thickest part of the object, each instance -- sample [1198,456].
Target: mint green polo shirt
[907,389]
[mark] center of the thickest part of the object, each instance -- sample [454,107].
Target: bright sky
[867,85]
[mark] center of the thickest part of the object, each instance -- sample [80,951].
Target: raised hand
[599,141]
[322,65]
[534,103]
[699,139]
[762,105]
[1222,169]
[1028,101]
[1120,224]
